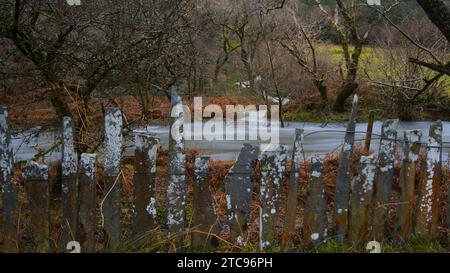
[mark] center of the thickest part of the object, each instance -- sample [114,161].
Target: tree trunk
[61,107]
[280,115]
[321,85]
[245,58]
[439,14]
[350,85]
[345,91]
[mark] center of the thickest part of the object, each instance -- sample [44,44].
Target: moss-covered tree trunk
[346,90]
[349,86]
[321,85]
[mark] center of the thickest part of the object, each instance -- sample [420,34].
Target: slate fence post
[428,210]
[383,178]
[87,180]
[361,199]
[112,182]
[69,185]
[144,199]
[291,205]
[176,189]
[315,226]
[239,188]
[342,195]
[205,222]
[10,199]
[272,169]
[35,176]
[408,173]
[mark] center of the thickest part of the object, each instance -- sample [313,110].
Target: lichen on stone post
[112,182]
[428,207]
[342,195]
[35,176]
[69,185]
[176,189]
[383,178]
[87,197]
[272,170]
[204,219]
[315,223]
[9,190]
[239,189]
[408,172]
[144,199]
[360,201]
[294,176]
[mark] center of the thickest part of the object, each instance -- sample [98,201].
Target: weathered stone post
[69,185]
[87,197]
[272,169]
[361,199]
[315,224]
[342,195]
[428,210]
[10,216]
[144,200]
[204,219]
[36,182]
[369,130]
[239,188]
[294,176]
[383,178]
[176,189]
[112,187]
[405,210]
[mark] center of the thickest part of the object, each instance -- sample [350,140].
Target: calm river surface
[320,139]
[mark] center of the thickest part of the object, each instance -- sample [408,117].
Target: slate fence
[360,204]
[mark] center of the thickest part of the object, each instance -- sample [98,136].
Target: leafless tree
[352,37]
[99,47]
[300,39]
[406,88]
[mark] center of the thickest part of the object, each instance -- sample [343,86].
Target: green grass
[363,116]
[314,117]
[371,60]
[414,245]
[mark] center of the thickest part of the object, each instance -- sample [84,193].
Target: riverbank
[31,110]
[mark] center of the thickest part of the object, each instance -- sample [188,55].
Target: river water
[319,140]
